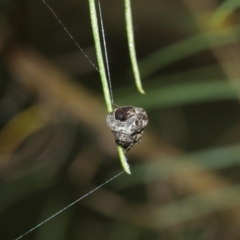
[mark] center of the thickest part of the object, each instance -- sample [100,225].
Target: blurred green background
[55,145]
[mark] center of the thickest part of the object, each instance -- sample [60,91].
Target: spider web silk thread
[110,89]
[68,206]
[79,47]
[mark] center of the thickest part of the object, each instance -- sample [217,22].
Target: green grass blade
[188,93]
[224,11]
[195,207]
[94,23]
[187,47]
[212,159]
[107,96]
[131,45]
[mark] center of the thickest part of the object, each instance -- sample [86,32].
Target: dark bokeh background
[55,145]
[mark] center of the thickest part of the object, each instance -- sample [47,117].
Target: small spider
[127,124]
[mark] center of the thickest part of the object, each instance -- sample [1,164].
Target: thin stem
[105,51]
[123,160]
[131,45]
[107,96]
[94,23]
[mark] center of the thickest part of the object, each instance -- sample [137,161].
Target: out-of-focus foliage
[55,145]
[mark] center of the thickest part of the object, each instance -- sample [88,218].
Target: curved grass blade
[187,47]
[182,94]
[131,45]
[224,11]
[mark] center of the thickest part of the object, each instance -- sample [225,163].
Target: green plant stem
[131,45]
[123,160]
[223,11]
[107,96]
[94,23]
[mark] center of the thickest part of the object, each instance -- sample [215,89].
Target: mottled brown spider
[127,124]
